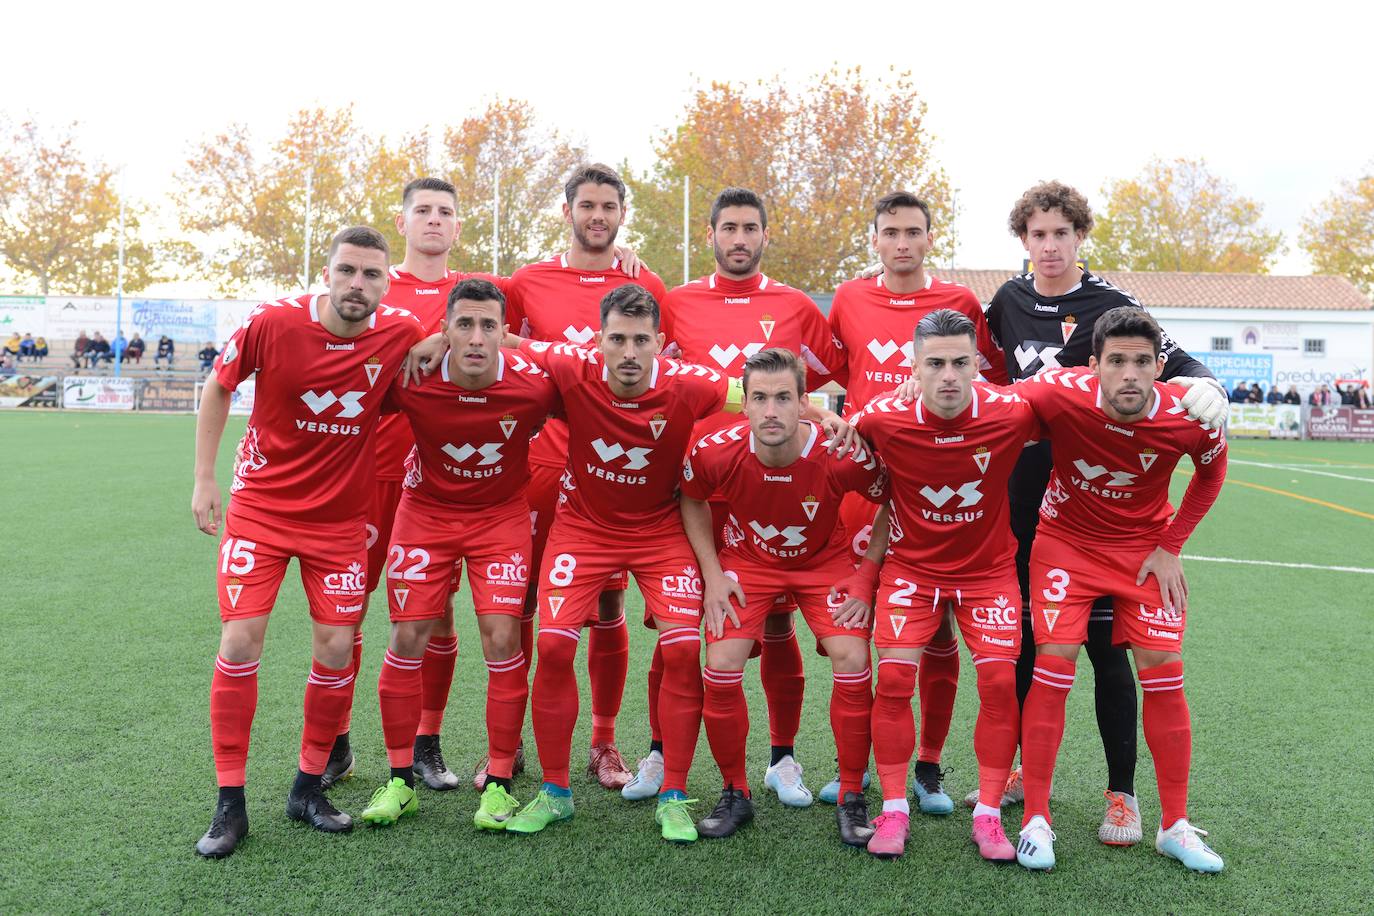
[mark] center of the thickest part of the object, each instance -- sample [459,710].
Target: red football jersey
[428,302]
[552,301]
[472,447]
[781,517]
[624,457]
[876,327]
[1110,483]
[308,451]
[950,519]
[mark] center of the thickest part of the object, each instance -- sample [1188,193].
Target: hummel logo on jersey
[343,346]
[726,356]
[1053,309]
[898,621]
[793,535]
[490,452]
[882,352]
[349,403]
[809,506]
[433,291]
[592,279]
[657,424]
[579,335]
[1094,471]
[1028,353]
[635,458]
[981,457]
[968,494]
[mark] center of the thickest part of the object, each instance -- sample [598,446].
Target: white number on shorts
[861,540]
[1058,579]
[562,572]
[236,556]
[902,595]
[416,572]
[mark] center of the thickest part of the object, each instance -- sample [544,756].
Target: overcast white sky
[1275,97]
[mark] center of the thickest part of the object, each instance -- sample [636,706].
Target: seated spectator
[83,343]
[26,348]
[1274,396]
[6,362]
[1256,395]
[136,347]
[121,343]
[207,356]
[12,345]
[40,347]
[97,350]
[1291,396]
[165,350]
[1239,393]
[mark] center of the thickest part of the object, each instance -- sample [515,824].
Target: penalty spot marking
[1349,569]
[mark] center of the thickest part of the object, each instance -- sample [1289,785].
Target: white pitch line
[1280,467]
[1349,569]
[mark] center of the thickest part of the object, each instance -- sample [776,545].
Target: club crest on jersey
[373,368]
[1066,327]
[233,588]
[809,506]
[767,323]
[1147,458]
[981,457]
[401,593]
[507,424]
[657,424]
[555,603]
[1051,613]
[898,621]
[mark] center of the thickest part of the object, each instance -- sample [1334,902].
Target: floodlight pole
[496,224]
[305,255]
[686,207]
[119,280]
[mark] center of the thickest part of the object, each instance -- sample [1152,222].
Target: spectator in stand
[27,348]
[1274,396]
[1291,396]
[12,346]
[1256,395]
[97,350]
[207,356]
[165,350]
[83,343]
[40,348]
[136,347]
[121,343]
[1362,401]
[6,362]
[1320,397]
[1239,393]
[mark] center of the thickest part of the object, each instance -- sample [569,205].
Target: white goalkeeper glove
[1205,400]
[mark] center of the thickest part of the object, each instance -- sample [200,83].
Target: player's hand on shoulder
[1167,569]
[423,358]
[869,272]
[206,507]
[630,264]
[841,438]
[909,390]
[717,591]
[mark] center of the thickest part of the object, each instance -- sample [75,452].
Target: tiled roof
[1185,290]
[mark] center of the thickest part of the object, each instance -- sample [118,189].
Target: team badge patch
[767,323]
[1051,616]
[657,424]
[809,506]
[1066,327]
[233,588]
[898,621]
[401,593]
[555,604]
[1147,458]
[507,424]
[373,368]
[981,457]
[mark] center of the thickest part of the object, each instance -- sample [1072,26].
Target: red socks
[436,677]
[1169,734]
[784,684]
[328,696]
[553,706]
[1042,730]
[608,661]
[399,688]
[655,684]
[893,725]
[527,638]
[998,727]
[727,724]
[357,667]
[937,684]
[233,700]
[679,703]
[507,690]
[851,705]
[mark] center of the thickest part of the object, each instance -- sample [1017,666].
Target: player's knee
[1059,650]
[333,646]
[501,642]
[997,683]
[1149,658]
[680,651]
[610,604]
[896,680]
[409,637]
[555,653]
[239,645]
[847,659]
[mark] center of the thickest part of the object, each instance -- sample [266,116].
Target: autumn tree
[505,144]
[249,210]
[1177,215]
[819,156]
[1339,233]
[59,219]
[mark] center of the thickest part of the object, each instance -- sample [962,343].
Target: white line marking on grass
[1284,467]
[1349,569]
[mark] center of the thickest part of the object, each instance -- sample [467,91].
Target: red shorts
[386,496]
[910,608]
[430,543]
[1065,581]
[721,522]
[857,514]
[253,554]
[808,588]
[581,559]
[545,489]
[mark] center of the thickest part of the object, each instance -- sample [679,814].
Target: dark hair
[475,290]
[1126,321]
[738,197]
[427,184]
[594,173]
[361,237]
[776,359]
[946,323]
[889,203]
[1051,195]
[632,301]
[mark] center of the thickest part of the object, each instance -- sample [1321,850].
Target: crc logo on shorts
[352,583]
[514,572]
[1160,616]
[686,586]
[1000,615]
[349,403]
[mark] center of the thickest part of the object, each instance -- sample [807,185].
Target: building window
[1221,344]
[1312,346]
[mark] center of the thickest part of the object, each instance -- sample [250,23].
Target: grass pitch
[106,780]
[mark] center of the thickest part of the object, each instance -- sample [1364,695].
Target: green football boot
[390,803]
[543,811]
[496,808]
[674,816]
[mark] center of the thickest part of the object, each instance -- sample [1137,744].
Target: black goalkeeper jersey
[1048,332]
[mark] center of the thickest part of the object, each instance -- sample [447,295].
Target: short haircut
[360,237]
[890,202]
[593,173]
[947,323]
[632,301]
[428,184]
[1051,195]
[738,197]
[475,290]
[1126,321]
[776,359]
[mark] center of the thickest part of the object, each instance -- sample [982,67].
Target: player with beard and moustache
[1045,319]
[323,364]
[874,318]
[722,320]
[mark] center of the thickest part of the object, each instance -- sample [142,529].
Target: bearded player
[322,365]
[1107,529]
[781,492]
